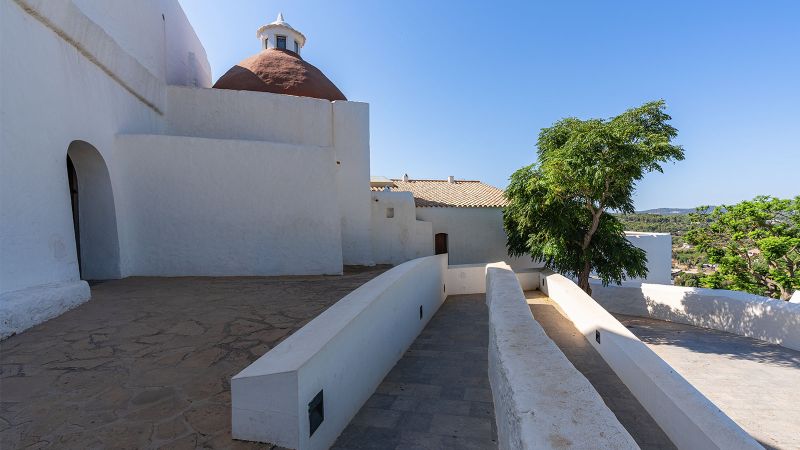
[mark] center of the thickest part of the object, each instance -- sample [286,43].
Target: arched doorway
[93,214]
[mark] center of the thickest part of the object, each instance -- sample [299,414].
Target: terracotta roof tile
[442,193]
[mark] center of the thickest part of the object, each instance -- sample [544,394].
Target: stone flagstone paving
[755,383]
[438,394]
[147,362]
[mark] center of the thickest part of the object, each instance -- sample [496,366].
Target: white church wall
[351,144]
[475,235]
[401,237]
[227,114]
[42,114]
[186,60]
[227,207]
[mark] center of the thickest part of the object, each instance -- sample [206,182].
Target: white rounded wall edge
[541,401]
[22,309]
[345,353]
[770,320]
[689,419]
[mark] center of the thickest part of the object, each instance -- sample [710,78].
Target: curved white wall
[770,320]
[345,352]
[689,419]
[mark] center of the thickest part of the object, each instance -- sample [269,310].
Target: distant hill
[670,211]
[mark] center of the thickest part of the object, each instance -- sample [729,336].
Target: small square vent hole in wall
[389,213]
[316,413]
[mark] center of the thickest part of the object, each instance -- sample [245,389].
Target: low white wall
[345,352]
[194,206]
[20,310]
[540,400]
[471,279]
[770,320]
[689,419]
[659,255]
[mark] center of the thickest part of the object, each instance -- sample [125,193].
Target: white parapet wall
[541,401]
[659,254]
[339,357]
[774,321]
[471,279]
[689,419]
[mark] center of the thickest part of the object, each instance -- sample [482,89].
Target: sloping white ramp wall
[689,419]
[541,401]
[344,354]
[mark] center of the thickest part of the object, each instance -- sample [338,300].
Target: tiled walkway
[755,383]
[644,430]
[147,362]
[438,395]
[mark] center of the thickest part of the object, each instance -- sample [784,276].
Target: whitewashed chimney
[451,179]
[405,177]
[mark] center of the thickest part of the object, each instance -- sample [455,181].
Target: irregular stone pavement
[147,362]
[619,399]
[755,383]
[437,396]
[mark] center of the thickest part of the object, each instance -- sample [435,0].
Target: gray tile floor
[755,383]
[644,430]
[438,395]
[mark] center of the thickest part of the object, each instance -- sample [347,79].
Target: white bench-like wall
[741,313]
[345,352]
[541,401]
[689,419]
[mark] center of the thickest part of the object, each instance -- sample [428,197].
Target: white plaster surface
[683,413]
[401,237]
[262,116]
[471,279]
[659,255]
[774,321]
[346,351]
[541,400]
[20,310]
[351,146]
[200,206]
[475,235]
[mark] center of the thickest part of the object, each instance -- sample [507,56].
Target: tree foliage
[755,245]
[558,207]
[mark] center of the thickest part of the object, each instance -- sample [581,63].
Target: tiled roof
[456,194]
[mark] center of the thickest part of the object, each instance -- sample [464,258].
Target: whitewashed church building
[121,158]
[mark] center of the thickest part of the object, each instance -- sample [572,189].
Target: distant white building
[463,218]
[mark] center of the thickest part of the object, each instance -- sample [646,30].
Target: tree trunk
[583,278]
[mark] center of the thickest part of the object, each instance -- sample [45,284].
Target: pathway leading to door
[438,394]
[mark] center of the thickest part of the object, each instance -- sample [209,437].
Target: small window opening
[296,47]
[281,42]
[266,44]
[389,213]
[316,413]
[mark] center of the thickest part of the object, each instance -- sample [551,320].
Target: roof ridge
[440,181]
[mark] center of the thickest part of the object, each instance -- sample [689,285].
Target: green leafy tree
[558,207]
[755,245]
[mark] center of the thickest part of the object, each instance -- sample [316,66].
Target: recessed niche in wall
[389,213]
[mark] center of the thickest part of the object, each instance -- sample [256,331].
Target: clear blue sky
[463,88]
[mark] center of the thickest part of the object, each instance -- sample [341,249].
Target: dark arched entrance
[440,243]
[93,214]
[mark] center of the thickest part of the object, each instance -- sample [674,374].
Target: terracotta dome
[279,72]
